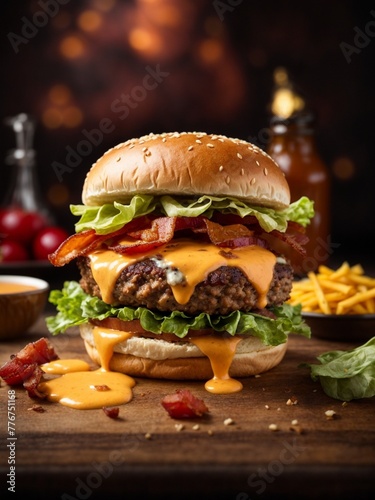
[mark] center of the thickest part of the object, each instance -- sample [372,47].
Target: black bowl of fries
[343,328]
[337,304]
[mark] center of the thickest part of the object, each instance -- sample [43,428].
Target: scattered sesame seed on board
[330,414]
[228,421]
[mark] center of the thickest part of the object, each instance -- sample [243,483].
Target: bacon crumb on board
[111,412]
[183,404]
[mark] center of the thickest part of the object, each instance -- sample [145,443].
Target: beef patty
[225,290]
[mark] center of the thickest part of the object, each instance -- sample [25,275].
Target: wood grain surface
[80,454]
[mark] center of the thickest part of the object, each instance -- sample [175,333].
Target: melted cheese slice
[195,261]
[90,389]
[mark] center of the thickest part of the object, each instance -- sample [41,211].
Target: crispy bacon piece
[232,236]
[161,232]
[22,365]
[84,242]
[31,384]
[295,240]
[111,412]
[183,404]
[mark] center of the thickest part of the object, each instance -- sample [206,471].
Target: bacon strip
[86,241]
[146,234]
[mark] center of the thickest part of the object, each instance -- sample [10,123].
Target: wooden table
[65,453]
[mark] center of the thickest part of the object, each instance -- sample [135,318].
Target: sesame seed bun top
[186,164]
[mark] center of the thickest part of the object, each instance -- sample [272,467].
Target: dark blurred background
[77,66]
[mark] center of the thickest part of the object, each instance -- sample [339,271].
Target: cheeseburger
[175,244]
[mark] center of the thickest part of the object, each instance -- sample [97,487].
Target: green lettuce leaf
[75,307]
[347,375]
[111,217]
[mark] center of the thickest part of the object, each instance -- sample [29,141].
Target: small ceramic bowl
[22,300]
[341,327]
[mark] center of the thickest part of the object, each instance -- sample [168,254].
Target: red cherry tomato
[47,241]
[20,225]
[12,251]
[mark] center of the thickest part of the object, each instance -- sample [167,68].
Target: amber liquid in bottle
[292,146]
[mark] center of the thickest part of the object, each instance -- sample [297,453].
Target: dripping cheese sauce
[81,388]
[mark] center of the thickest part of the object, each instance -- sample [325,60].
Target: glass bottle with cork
[292,145]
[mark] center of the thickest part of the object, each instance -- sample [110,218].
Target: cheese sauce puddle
[220,352]
[90,389]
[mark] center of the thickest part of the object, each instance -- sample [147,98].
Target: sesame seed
[198,141]
[119,158]
[242,171]
[148,435]
[213,137]
[330,414]
[210,145]
[257,162]
[221,139]
[228,421]
[252,182]
[294,422]
[239,156]
[210,432]
[131,146]
[265,171]
[221,168]
[190,148]
[227,179]
[292,401]
[164,139]
[273,427]
[196,427]
[179,427]
[141,141]
[267,407]
[144,149]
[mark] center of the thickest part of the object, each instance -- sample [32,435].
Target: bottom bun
[253,358]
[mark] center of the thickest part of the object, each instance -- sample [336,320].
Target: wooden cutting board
[66,453]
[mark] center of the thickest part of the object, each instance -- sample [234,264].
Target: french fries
[346,290]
